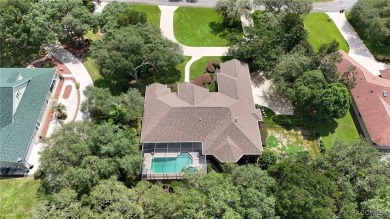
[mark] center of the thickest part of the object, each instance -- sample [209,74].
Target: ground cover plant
[201,27]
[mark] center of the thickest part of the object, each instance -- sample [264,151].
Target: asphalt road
[335,5]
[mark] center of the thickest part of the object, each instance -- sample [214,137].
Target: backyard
[201,27]
[18,197]
[321,31]
[330,130]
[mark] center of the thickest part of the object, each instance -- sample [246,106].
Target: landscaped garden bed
[67,91]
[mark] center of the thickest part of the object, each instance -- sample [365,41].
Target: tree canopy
[26,25]
[293,6]
[135,53]
[119,109]
[372,16]
[232,10]
[79,155]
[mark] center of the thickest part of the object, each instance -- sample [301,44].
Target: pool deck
[148,157]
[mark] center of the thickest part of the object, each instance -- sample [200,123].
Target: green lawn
[345,130]
[92,36]
[199,66]
[17,197]
[322,31]
[201,27]
[92,68]
[152,12]
[181,68]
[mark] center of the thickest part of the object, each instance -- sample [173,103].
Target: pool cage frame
[172,149]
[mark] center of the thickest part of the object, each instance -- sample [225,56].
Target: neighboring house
[370,103]
[181,129]
[24,94]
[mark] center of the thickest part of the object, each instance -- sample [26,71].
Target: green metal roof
[15,137]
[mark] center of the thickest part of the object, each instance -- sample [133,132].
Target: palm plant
[59,111]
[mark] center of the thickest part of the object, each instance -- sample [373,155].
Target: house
[24,93]
[371,103]
[183,129]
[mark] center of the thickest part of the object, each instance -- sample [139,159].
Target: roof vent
[19,159]
[236,119]
[200,119]
[384,93]
[372,91]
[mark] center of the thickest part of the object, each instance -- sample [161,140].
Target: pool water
[171,164]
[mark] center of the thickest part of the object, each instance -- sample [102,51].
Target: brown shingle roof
[373,107]
[226,122]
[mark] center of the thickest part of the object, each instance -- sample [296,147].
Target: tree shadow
[115,87]
[228,33]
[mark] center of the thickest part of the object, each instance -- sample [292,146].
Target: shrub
[77,85]
[60,76]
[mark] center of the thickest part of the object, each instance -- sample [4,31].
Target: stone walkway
[357,49]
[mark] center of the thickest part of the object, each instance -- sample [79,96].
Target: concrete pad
[263,95]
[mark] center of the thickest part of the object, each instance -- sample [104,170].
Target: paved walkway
[166,26]
[78,70]
[357,49]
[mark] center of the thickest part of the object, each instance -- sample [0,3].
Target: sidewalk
[357,49]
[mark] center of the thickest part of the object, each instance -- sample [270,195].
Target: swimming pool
[171,164]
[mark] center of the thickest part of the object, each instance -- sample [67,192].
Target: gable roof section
[225,121]
[373,107]
[15,137]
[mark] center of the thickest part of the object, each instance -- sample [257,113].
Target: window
[17,94]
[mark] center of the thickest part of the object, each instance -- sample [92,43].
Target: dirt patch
[291,141]
[67,91]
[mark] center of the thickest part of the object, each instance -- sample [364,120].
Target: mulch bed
[61,68]
[203,79]
[68,90]
[78,48]
[45,128]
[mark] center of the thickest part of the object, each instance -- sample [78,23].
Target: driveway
[357,49]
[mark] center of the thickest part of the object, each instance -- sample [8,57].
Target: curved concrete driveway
[357,49]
